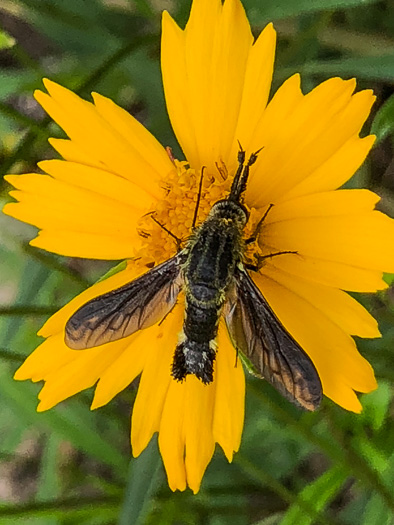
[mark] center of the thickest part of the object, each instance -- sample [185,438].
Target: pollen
[167,227]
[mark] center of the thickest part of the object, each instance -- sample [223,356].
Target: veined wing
[121,312]
[273,353]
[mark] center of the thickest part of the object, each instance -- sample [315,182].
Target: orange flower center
[173,215]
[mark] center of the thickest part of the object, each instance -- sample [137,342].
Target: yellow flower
[96,204]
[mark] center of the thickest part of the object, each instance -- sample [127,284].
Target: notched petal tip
[21,375]
[43,406]
[48,82]
[166,17]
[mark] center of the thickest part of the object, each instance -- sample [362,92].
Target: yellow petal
[185,438]
[324,204]
[98,139]
[86,245]
[257,85]
[337,170]
[76,220]
[198,428]
[69,150]
[172,436]
[155,381]
[211,53]
[122,371]
[309,136]
[331,273]
[358,240]
[141,142]
[49,356]
[353,276]
[78,374]
[196,415]
[229,397]
[340,367]
[115,189]
[65,204]
[278,111]
[335,304]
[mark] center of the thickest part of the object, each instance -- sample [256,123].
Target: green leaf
[33,278]
[274,519]
[317,494]
[265,478]
[73,422]
[274,10]
[383,123]
[145,475]
[376,405]
[76,508]
[112,271]
[376,511]
[73,25]
[366,448]
[6,40]
[369,68]
[49,482]
[388,277]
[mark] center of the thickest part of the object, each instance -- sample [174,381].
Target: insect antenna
[238,186]
[241,162]
[198,199]
[177,239]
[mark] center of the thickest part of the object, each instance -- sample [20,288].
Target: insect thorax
[213,252]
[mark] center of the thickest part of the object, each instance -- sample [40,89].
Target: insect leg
[256,232]
[198,199]
[269,256]
[262,258]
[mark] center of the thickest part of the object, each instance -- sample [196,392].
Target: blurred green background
[70,465]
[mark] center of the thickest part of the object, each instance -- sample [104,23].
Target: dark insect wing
[257,333]
[121,312]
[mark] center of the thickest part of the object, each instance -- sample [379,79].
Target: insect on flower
[317,242]
[211,271]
